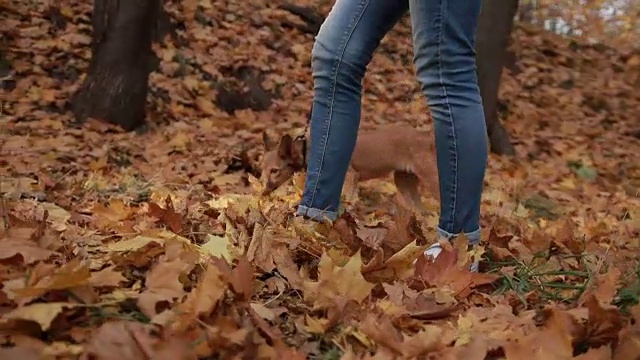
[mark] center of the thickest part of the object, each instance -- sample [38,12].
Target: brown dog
[400,150]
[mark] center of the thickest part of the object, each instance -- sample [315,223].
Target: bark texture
[494,33]
[116,86]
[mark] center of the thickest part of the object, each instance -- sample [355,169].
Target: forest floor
[156,244]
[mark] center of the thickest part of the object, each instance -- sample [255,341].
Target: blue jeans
[444,55]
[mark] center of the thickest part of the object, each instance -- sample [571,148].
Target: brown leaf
[263,311]
[444,271]
[395,291]
[30,252]
[383,332]
[605,287]
[427,340]
[400,266]
[603,353]
[287,267]
[372,236]
[564,324]
[259,251]
[163,280]
[167,216]
[431,271]
[132,341]
[542,345]
[112,215]
[567,235]
[107,277]
[604,323]
[629,345]
[242,278]
[19,353]
[272,333]
[73,274]
[432,310]
[211,288]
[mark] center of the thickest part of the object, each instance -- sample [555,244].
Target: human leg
[444,40]
[342,50]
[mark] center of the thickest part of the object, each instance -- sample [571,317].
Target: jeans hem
[473,237]
[316,214]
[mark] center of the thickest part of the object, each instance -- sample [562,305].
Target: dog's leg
[408,185]
[350,188]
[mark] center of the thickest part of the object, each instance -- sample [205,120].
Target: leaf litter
[157,245]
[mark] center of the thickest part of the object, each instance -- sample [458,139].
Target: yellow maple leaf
[218,246]
[333,281]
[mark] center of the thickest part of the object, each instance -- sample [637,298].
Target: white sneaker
[435,250]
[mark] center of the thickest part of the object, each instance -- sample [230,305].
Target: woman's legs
[443,41]
[342,50]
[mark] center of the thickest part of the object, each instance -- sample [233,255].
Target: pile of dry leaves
[156,245]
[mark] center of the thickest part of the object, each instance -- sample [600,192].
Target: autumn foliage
[156,245]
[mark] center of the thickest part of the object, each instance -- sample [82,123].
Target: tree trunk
[493,34]
[116,85]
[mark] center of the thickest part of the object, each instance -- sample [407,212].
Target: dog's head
[281,160]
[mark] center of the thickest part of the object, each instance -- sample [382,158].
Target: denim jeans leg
[342,50]
[444,55]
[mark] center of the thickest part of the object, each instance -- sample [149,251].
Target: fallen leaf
[241,279]
[107,277]
[315,326]
[30,252]
[334,281]
[217,246]
[57,215]
[73,274]
[167,215]
[129,340]
[163,280]
[400,266]
[133,244]
[202,300]
[605,286]
[19,353]
[41,313]
[263,311]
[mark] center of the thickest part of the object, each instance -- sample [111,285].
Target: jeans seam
[454,183]
[334,81]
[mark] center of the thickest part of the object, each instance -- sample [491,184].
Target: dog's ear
[269,141]
[285,146]
[298,149]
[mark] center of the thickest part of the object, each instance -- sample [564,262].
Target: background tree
[494,32]
[116,86]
